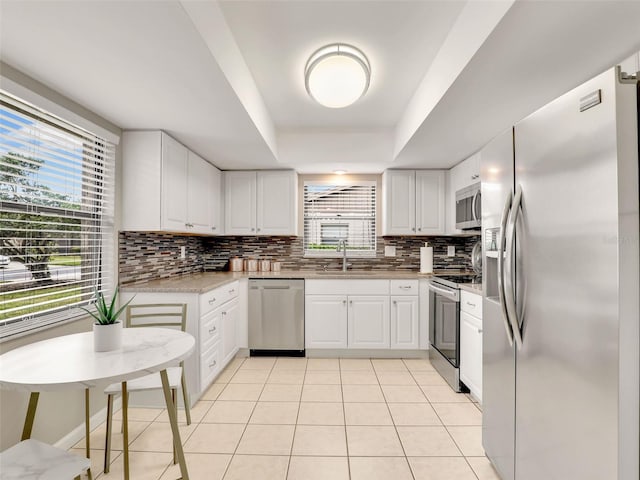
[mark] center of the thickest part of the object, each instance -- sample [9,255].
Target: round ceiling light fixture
[337,75]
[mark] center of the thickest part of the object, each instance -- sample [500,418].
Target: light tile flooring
[312,419]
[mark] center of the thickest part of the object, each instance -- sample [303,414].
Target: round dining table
[70,362]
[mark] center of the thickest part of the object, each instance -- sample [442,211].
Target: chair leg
[107,445]
[185,397]
[174,395]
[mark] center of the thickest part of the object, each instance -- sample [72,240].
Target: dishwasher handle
[276,287]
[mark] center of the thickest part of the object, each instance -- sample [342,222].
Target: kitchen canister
[264,265]
[236,264]
[275,266]
[250,265]
[426,259]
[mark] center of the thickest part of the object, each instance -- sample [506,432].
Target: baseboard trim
[77,434]
[365,353]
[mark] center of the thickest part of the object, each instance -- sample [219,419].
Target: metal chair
[150,315]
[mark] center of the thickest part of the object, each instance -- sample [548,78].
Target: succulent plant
[106,315]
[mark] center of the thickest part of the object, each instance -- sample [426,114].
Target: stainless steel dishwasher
[276,317]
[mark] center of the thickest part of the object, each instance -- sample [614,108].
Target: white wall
[58,413]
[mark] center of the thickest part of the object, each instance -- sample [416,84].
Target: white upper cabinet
[166,187]
[216,199]
[261,203]
[464,174]
[413,202]
[240,203]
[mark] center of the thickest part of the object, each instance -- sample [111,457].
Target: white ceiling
[225,78]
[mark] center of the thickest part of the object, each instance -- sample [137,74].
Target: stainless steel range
[444,327]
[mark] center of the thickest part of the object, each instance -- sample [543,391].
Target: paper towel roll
[426,259]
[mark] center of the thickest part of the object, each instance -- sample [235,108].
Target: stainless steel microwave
[468,207]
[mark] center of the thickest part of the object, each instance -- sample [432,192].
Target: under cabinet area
[471,342]
[362,314]
[261,203]
[167,187]
[413,202]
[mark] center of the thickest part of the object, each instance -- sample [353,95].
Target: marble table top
[70,362]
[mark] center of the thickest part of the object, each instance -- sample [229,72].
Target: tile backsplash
[146,256]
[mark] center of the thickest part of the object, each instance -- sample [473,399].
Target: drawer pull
[232,291]
[479,330]
[211,365]
[471,304]
[212,301]
[212,330]
[224,313]
[405,287]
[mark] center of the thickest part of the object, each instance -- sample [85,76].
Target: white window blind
[56,217]
[336,213]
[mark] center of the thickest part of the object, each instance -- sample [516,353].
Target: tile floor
[312,419]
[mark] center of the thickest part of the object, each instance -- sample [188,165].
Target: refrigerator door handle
[509,291]
[503,305]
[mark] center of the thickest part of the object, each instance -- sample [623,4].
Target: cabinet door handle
[224,313]
[213,228]
[258,229]
[413,229]
[253,229]
[479,330]
[211,365]
[350,302]
[420,229]
[232,291]
[395,302]
[212,300]
[212,330]
[344,302]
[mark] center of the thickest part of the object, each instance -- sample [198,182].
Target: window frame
[98,221]
[333,253]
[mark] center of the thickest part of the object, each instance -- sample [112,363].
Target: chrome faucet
[345,265]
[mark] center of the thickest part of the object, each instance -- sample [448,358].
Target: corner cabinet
[168,188]
[261,203]
[413,202]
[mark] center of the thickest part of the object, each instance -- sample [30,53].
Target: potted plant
[107,330]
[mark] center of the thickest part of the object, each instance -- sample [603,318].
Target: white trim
[50,106]
[77,434]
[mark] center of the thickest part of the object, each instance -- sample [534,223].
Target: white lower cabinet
[471,343]
[404,322]
[361,314]
[325,321]
[214,319]
[368,322]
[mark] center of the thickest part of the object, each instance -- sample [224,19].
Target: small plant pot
[107,337]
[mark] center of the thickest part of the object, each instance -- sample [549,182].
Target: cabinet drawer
[214,298]
[404,287]
[209,365]
[209,330]
[471,303]
[346,287]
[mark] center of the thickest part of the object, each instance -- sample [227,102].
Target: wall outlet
[451,251]
[389,251]
[183,253]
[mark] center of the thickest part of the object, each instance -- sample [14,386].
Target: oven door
[444,322]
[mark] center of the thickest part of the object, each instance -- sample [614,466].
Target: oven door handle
[453,295]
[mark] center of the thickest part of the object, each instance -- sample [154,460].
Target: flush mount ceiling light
[337,75]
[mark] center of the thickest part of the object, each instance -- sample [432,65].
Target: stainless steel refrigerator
[561,285]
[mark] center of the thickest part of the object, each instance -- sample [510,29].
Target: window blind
[336,213]
[56,217]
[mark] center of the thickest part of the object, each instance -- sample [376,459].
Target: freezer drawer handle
[509,292]
[501,246]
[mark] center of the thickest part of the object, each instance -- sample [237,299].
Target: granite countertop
[204,282]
